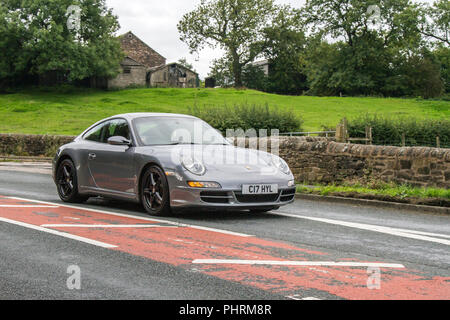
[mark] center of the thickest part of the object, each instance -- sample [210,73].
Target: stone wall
[136,77]
[318,160]
[312,160]
[31,145]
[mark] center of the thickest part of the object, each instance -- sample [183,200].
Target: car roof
[131,116]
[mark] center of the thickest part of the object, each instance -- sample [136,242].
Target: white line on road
[298,297]
[412,234]
[105,226]
[138,217]
[300,263]
[22,206]
[58,233]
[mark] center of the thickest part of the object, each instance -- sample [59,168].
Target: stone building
[139,59]
[173,75]
[143,66]
[132,73]
[139,51]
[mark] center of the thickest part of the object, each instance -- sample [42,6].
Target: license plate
[259,189]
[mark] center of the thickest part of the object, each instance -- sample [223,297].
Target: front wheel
[155,192]
[67,183]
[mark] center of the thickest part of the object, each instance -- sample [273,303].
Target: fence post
[342,131]
[403,140]
[438,142]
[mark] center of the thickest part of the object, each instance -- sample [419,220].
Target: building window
[126,70]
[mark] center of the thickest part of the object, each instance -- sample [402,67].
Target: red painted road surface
[180,245]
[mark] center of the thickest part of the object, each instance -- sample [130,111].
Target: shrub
[389,131]
[246,116]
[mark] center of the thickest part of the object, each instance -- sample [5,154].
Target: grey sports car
[168,162]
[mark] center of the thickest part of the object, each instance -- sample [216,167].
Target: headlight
[193,165]
[281,165]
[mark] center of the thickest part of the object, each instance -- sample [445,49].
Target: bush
[389,131]
[247,116]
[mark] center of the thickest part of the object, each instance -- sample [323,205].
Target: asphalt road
[161,263]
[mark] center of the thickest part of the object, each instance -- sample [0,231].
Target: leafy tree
[222,71]
[236,26]
[394,21]
[442,55]
[435,23]
[286,52]
[253,77]
[362,57]
[35,39]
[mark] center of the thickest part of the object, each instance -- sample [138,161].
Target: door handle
[92,156]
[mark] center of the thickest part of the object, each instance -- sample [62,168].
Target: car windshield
[176,130]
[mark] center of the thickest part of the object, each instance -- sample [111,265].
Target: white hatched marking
[300,263]
[59,233]
[105,226]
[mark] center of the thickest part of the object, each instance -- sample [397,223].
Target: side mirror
[119,141]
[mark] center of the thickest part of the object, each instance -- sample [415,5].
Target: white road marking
[299,297]
[138,217]
[105,226]
[58,233]
[412,234]
[25,206]
[301,263]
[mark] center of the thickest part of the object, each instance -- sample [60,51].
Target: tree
[436,21]
[253,77]
[394,21]
[442,55]
[222,71]
[286,52]
[361,58]
[35,38]
[236,26]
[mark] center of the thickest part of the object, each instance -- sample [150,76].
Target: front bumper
[186,197]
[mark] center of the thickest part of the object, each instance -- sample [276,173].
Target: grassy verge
[384,192]
[68,111]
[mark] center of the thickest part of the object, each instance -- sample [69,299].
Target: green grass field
[70,110]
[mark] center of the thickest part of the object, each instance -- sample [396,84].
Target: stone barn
[143,66]
[139,59]
[132,73]
[173,75]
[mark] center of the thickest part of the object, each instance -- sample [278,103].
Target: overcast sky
[155,22]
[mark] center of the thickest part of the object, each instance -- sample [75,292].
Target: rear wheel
[155,192]
[67,183]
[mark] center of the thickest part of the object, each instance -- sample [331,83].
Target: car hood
[216,158]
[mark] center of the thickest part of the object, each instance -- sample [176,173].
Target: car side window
[119,128]
[95,134]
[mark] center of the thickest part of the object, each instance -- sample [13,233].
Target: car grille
[256,198]
[287,195]
[215,196]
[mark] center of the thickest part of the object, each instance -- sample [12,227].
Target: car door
[112,167]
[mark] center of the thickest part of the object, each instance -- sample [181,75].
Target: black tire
[154,192]
[67,183]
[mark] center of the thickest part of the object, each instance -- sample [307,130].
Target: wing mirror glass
[119,141]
